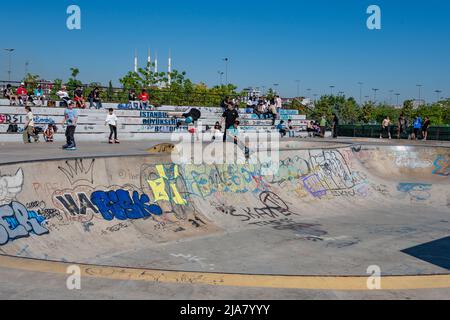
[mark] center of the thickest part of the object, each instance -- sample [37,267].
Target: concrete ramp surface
[328,212]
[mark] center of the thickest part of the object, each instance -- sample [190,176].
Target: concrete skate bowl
[328,216]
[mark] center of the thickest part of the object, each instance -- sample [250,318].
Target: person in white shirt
[279,104]
[64,96]
[29,127]
[111,120]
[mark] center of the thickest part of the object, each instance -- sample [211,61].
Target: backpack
[12,128]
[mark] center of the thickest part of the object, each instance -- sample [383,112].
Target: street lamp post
[420,89]
[375,94]
[309,92]
[390,97]
[331,87]
[226,70]
[10,51]
[438,94]
[220,77]
[398,95]
[360,92]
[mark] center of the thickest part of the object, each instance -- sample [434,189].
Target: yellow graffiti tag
[158,187]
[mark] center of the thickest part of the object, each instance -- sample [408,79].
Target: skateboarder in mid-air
[70,120]
[190,117]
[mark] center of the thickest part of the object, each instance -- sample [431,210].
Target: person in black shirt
[79,98]
[94,97]
[400,125]
[133,99]
[335,126]
[230,115]
[425,126]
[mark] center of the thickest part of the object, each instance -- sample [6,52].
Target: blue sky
[321,43]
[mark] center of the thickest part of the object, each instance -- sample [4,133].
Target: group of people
[22,97]
[420,127]
[264,107]
[318,128]
[79,98]
[141,101]
[70,121]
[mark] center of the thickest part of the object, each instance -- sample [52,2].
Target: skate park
[140,226]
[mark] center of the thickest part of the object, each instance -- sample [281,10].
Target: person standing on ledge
[111,120]
[335,126]
[70,120]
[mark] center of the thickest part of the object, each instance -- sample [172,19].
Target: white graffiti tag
[10,187]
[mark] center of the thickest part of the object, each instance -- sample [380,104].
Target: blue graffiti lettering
[118,204]
[17,222]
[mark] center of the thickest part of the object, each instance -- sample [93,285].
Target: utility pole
[10,51]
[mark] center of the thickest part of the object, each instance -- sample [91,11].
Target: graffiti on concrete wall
[442,166]
[273,207]
[416,191]
[77,204]
[411,160]
[205,181]
[10,186]
[17,222]
[120,205]
[78,171]
[330,174]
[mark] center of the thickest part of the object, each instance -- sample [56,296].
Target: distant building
[252,92]
[418,103]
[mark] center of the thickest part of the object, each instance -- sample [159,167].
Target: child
[70,120]
[291,129]
[281,128]
[217,131]
[49,133]
[111,120]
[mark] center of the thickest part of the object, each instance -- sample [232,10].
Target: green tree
[31,81]
[74,72]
